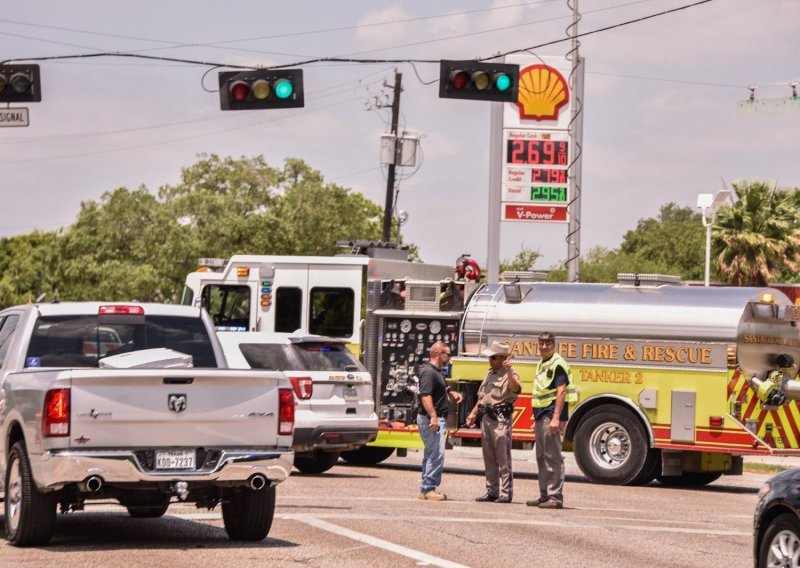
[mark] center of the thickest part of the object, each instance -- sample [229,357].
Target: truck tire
[316,461]
[30,515]
[690,479]
[367,455]
[611,447]
[248,513]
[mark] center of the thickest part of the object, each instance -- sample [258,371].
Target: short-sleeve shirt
[559,378]
[495,388]
[432,383]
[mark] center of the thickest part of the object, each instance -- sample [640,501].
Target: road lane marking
[569,524]
[380,543]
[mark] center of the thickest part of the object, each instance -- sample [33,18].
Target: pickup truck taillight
[286,412]
[55,415]
[303,387]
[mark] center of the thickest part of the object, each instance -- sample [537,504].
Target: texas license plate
[350,393]
[175,459]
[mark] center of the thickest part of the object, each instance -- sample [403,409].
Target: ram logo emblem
[176,402]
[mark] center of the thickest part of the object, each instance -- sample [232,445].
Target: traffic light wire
[215,65]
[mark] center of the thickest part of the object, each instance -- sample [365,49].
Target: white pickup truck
[134,402]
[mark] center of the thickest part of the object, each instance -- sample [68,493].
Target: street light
[402,217]
[706,202]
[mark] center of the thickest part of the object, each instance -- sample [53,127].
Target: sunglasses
[498,356]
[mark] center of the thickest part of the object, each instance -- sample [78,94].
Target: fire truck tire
[690,479]
[316,461]
[367,455]
[611,448]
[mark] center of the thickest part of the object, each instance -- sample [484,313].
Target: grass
[756,467]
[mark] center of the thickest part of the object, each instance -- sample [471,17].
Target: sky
[659,102]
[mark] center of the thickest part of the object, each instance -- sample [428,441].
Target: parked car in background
[776,524]
[335,410]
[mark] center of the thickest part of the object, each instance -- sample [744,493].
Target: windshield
[81,341]
[300,357]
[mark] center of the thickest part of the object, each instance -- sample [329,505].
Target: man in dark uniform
[434,395]
[495,405]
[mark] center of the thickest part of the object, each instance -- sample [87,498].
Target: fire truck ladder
[481,303]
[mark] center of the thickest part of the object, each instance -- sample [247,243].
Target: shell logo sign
[543,92]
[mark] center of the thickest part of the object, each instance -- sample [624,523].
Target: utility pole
[387,212]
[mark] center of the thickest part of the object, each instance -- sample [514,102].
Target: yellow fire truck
[675,382]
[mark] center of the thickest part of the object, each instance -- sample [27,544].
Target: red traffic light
[261,89]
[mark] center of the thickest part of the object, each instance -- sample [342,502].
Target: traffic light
[482,81]
[20,84]
[260,89]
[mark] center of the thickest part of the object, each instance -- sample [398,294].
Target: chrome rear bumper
[57,468]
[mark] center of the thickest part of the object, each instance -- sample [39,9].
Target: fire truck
[674,382]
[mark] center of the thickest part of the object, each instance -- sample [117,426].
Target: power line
[347,59]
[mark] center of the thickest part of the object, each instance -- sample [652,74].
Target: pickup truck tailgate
[143,408]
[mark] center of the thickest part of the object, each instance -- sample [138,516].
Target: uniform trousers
[549,459]
[496,445]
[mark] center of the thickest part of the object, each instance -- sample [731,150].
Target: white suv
[335,409]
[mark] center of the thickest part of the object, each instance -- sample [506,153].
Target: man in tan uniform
[495,405]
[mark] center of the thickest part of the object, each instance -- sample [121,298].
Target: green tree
[600,264]
[757,239]
[523,261]
[29,266]
[309,216]
[222,202]
[672,243]
[120,248]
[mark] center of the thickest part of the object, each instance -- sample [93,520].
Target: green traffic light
[283,88]
[502,82]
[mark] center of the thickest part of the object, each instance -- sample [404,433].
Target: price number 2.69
[537,152]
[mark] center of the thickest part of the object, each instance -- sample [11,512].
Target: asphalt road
[359,516]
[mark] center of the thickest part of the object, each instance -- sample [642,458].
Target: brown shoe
[537,502]
[551,504]
[433,495]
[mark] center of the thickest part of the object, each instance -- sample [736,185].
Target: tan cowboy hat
[498,348]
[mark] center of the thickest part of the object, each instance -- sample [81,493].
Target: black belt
[500,411]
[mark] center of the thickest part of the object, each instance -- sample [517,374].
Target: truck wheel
[248,514]
[316,461]
[611,447]
[30,515]
[367,455]
[690,479]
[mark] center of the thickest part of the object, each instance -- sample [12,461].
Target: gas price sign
[535,171]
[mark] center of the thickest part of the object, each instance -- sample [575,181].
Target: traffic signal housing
[20,84]
[261,89]
[482,81]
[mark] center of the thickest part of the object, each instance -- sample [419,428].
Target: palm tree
[758,238]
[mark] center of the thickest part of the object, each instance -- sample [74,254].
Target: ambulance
[674,382]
